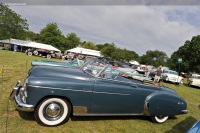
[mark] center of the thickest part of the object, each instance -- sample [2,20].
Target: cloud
[101,2]
[137,28]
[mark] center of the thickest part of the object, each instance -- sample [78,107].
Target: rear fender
[164,104]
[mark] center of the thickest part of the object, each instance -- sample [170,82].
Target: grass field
[14,66]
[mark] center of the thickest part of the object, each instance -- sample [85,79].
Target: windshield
[195,76]
[171,72]
[97,68]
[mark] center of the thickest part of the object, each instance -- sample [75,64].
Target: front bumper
[16,98]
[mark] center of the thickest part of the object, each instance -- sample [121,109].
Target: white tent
[85,51]
[29,44]
[134,62]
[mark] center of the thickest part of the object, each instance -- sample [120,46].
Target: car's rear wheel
[52,112]
[159,119]
[35,52]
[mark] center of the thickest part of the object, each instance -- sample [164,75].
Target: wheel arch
[55,96]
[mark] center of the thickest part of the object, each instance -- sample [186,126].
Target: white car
[171,76]
[194,80]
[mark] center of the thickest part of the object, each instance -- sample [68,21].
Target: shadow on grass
[27,115]
[99,118]
[183,126]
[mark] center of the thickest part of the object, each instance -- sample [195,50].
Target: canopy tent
[85,51]
[134,62]
[30,44]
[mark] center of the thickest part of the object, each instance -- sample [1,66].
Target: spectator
[70,56]
[74,57]
[158,75]
[147,72]
[15,48]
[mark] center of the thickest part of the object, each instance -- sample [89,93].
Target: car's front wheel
[52,112]
[48,56]
[159,119]
[29,53]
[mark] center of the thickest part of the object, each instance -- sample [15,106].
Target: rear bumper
[17,99]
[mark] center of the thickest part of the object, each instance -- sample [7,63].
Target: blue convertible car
[56,93]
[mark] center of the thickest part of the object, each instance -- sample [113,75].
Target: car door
[117,97]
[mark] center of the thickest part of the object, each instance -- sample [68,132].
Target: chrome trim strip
[59,88]
[93,114]
[111,93]
[76,90]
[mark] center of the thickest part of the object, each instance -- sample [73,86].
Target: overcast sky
[135,27]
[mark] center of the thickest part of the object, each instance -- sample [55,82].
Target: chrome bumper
[19,104]
[184,111]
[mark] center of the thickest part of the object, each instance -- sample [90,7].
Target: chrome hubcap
[53,110]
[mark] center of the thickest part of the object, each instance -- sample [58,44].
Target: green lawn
[15,67]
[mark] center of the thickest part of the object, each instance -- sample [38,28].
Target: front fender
[165,104]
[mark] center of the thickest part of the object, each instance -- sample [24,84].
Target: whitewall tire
[52,112]
[48,56]
[35,52]
[159,119]
[29,53]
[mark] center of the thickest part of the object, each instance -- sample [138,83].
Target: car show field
[15,66]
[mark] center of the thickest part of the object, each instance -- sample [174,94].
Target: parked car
[142,69]
[171,76]
[184,75]
[42,52]
[74,63]
[56,93]
[194,80]
[196,127]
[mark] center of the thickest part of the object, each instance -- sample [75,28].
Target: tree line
[12,25]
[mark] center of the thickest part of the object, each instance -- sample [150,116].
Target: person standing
[74,56]
[70,56]
[158,75]
[15,48]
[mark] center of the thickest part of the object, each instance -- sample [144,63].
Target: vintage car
[171,76]
[44,53]
[195,128]
[130,73]
[56,93]
[194,80]
[74,63]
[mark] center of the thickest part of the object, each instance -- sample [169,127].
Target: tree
[124,55]
[11,24]
[190,54]
[89,45]
[72,40]
[100,46]
[108,49]
[155,58]
[32,36]
[52,35]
